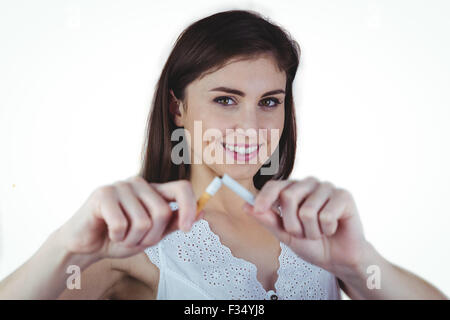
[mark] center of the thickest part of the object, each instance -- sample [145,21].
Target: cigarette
[244,193]
[210,190]
[238,189]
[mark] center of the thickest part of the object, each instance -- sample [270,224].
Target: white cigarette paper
[238,189]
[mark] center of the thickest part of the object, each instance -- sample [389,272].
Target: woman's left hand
[319,222]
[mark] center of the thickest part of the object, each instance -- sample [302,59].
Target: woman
[231,72]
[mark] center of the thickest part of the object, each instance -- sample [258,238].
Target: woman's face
[227,128]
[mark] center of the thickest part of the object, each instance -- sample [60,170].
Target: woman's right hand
[124,218]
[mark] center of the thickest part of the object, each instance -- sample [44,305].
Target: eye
[218,99]
[275,101]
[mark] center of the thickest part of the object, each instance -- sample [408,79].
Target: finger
[174,224]
[332,212]
[158,208]
[308,212]
[271,221]
[290,198]
[110,212]
[139,217]
[181,191]
[269,194]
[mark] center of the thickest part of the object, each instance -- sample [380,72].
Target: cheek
[209,117]
[273,123]
[206,127]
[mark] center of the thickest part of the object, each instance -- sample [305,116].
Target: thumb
[270,220]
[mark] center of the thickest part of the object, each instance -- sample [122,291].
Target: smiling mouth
[242,149]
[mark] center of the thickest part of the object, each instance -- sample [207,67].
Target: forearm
[394,282]
[44,275]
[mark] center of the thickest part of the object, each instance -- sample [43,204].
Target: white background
[372,94]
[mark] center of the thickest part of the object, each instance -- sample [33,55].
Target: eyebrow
[240,93]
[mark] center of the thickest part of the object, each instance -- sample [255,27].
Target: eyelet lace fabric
[196,265]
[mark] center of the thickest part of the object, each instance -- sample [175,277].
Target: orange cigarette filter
[210,191]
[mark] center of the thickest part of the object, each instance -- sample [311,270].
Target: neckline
[250,264]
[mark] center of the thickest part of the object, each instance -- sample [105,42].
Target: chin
[237,171]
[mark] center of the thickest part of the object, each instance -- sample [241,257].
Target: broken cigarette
[211,190]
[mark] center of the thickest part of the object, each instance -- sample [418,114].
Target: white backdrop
[372,94]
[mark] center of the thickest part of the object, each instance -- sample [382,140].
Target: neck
[225,203]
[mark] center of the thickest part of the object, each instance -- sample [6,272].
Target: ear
[174,109]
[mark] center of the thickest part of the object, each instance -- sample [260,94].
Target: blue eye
[275,101]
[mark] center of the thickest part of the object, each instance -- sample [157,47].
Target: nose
[246,124]
[247,118]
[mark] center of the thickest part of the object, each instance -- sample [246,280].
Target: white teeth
[231,148]
[241,150]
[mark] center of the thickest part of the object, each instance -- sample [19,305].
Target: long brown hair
[204,46]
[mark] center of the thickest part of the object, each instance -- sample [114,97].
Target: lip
[242,157]
[245,145]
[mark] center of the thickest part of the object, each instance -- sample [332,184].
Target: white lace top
[196,265]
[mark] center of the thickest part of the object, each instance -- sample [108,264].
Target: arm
[98,282]
[395,282]
[44,275]
[321,224]
[117,221]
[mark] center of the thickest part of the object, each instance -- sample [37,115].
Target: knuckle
[118,227]
[163,211]
[122,184]
[152,185]
[307,213]
[342,193]
[135,179]
[287,194]
[326,218]
[292,229]
[327,185]
[301,189]
[311,179]
[104,192]
[142,225]
[316,236]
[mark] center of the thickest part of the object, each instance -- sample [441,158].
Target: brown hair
[204,46]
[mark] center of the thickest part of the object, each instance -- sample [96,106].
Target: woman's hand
[122,219]
[319,222]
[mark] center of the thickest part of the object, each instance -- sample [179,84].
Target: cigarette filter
[211,190]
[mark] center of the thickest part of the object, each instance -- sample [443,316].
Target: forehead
[251,75]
